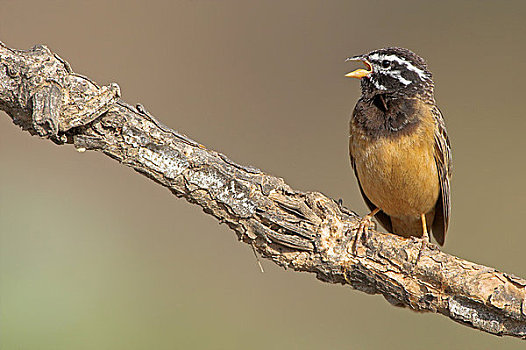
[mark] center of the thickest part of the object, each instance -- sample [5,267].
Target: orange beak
[359,73]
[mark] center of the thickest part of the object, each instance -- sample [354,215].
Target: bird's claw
[425,241]
[366,223]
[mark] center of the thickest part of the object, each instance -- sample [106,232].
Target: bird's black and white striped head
[393,71]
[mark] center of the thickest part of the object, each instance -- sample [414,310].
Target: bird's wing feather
[443,163]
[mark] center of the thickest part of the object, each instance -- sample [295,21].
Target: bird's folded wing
[443,162]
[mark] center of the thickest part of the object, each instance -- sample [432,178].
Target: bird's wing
[443,163]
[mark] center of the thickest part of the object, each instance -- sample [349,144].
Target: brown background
[94,256]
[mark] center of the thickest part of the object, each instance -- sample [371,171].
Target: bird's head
[393,71]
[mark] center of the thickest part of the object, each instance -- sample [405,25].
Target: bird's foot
[425,243]
[364,225]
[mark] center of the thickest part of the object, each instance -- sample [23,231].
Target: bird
[399,147]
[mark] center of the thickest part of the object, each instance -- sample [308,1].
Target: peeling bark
[304,231]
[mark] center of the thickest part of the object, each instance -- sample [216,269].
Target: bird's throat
[380,102]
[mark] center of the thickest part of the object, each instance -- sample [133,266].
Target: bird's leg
[364,225]
[425,236]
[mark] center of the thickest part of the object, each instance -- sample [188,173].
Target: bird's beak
[359,73]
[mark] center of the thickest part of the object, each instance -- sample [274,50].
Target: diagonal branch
[305,231]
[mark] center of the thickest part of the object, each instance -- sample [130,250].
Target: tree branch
[305,231]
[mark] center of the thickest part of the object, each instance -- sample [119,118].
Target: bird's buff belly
[398,175]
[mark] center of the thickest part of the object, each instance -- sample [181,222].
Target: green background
[95,256]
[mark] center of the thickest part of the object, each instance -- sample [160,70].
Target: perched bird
[399,147]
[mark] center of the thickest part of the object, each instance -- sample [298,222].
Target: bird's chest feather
[396,167]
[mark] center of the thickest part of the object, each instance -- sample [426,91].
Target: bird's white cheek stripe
[377,84]
[397,75]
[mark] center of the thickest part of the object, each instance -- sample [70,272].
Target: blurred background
[95,256]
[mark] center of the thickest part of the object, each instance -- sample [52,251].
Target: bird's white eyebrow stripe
[422,74]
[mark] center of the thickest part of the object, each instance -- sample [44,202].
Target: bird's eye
[386,63]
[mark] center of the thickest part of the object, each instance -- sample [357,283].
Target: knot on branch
[51,99]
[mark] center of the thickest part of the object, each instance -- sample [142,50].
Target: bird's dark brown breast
[383,117]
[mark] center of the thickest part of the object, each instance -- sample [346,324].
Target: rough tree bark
[305,231]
